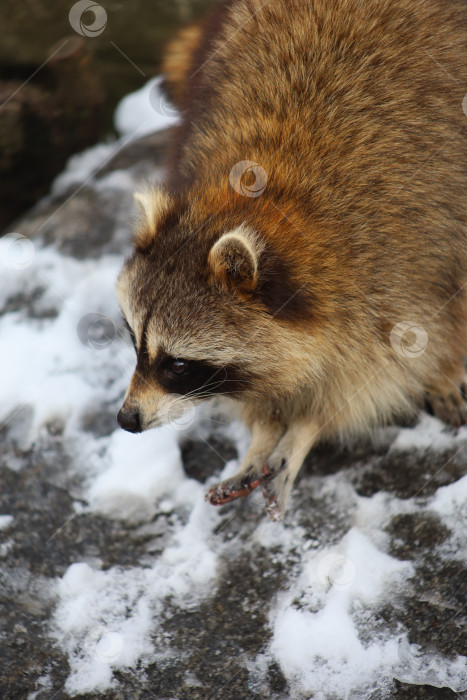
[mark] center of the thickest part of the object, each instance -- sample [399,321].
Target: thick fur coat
[307,255]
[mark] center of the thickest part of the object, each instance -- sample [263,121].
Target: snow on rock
[95,647]
[105,619]
[45,357]
[145,110]
[431,434]
[140,471]
[81,167]
[316,642]
[5,521]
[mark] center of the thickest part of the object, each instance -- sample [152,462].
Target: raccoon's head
[204,299]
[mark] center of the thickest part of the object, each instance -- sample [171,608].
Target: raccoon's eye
[178,367]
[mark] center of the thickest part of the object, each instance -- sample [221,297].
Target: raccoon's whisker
[214,385]
[223,380]
[204,390]
[210,396]
[206,386]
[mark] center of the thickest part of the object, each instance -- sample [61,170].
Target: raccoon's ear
[153,203]
[233,261]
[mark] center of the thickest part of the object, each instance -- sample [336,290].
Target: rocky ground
[399,497]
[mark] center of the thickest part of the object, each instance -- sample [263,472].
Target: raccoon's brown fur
[308,253]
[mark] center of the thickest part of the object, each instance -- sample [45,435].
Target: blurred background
[63,69]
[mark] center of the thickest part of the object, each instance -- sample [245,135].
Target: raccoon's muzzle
[129,420]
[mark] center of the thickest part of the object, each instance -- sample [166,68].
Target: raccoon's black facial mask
[197,378]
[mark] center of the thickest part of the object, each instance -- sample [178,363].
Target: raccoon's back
[348,97]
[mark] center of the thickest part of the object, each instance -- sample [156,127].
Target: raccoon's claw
[239,487]
[232,489]
[272,508]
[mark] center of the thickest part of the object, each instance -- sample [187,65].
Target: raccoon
[307,254]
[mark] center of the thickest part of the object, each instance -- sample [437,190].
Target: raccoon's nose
[129,420]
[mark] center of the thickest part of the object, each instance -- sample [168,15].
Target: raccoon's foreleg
[265,436]
[284,464]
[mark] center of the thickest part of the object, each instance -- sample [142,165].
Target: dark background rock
[43,122]
[138,29]
[59,90]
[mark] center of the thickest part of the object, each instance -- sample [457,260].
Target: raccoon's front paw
[238,486]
